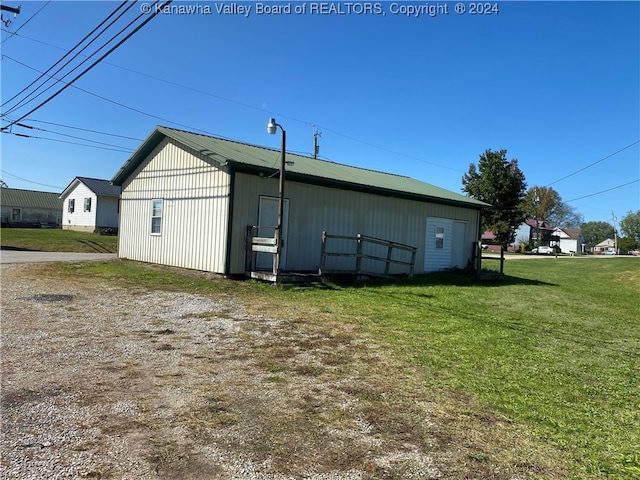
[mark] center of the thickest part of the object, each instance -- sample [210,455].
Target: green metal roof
[13,197]
[252,158]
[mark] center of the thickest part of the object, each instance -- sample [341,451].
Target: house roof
[609,242]
[13,197]
[255,159]
[573,233]
[541,224]
[99,187]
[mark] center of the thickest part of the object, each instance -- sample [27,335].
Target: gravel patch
[106,382]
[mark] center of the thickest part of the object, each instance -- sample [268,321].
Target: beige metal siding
[195,198]
[313,209]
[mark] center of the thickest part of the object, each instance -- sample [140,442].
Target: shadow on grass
[457,279]
[18,249]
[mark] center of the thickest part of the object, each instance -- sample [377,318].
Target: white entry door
[267,223]
[459,249]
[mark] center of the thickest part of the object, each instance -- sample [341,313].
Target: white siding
[438,258]
[195,208]
[79,219]
[107,212]
[313,209]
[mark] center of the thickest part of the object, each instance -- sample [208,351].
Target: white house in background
[569,240]
[608,245]
[188,200]
[90,203]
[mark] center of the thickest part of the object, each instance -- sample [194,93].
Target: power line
[237,102]
[29,181]
[604,191]
[68,136]
[595,163]
[87,130]
[118,149]
[194,129]
[150,17]
[58,61]
[11,34]
[26,99]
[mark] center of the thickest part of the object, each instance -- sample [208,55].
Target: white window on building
[439,237]
[15,215]
[72,205]
[87,204]
[156,217]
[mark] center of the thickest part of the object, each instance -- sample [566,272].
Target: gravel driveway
[105,382]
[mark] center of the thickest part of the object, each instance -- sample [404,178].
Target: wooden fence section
[360,241]
[478,258]
[255,244]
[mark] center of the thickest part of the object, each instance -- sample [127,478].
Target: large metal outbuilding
[187,200]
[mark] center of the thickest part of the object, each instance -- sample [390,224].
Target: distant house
[569,240]
[30,208]
[90,203]
[189,200]
[608,245]
[535,233]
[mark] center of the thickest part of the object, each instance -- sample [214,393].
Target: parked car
[609,252]
[543,250]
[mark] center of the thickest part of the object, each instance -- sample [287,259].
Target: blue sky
[556,84]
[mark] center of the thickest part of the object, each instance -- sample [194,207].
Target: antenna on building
[316,146]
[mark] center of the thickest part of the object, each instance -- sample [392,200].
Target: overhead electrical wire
[237,102]
[604,191]
[68,136]
[26,100]
[86,130]
[157,117]
[45,73]
[11,34]
[4,172]
[152,15]
[23,135]
[594,163]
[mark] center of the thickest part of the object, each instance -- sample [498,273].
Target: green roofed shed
[187,200]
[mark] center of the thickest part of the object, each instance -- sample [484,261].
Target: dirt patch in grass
[122,383]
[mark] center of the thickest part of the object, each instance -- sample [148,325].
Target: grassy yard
[553,350]
[55,240]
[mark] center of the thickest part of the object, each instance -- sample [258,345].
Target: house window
[156,217]
[439,237]
[87,204]
[72,205]
[15,215]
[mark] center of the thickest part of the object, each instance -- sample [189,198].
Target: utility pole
[14,10]
[536,200]
[316,147]
[615,232]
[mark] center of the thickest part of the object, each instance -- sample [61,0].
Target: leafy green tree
[625,244]
[544,203]
[540,202]
[596,232]
[630,225]
[565,216]
[501,183]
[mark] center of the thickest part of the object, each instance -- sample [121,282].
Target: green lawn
[553,349]
[55,240]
